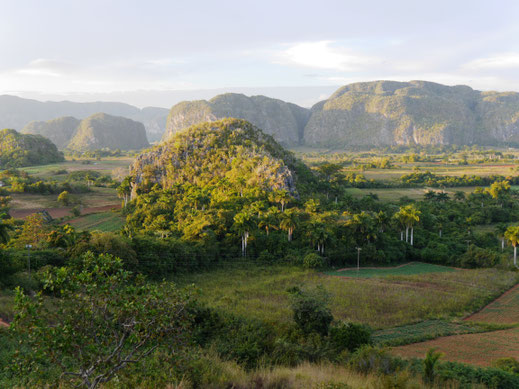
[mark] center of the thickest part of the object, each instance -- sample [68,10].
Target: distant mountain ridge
[97,131]
[16,113]
[377,113]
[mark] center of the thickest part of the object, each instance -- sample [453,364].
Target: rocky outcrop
[101,131]
[284,121]
[418,112]
[60,131]
[232,150]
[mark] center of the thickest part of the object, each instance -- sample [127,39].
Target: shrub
[369,359]
[429,364]
[510,365]
[311,311]
[477,257]
[313,261]
[350,336]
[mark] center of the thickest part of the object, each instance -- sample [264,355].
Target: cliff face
[224,152]
[416,112]
[284,121]
[105,131]
[60,131]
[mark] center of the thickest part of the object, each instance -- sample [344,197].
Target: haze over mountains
[377,113]
[97,131]
[16,113]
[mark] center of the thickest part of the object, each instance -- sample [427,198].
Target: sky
[154,52]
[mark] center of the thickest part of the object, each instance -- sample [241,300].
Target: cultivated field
[476,349]
[103,221]
[479,349]
[261,292]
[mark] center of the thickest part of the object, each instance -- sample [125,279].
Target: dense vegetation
[224,206]
[18,150]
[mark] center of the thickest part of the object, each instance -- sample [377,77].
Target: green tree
[64,198]
[243,223]
[102,320]
[311,311]
[124,190]
[512,235]
[429,364]
[289,222]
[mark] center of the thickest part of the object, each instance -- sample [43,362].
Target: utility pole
[29,247]
[358,258]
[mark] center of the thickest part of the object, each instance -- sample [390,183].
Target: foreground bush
[103,319]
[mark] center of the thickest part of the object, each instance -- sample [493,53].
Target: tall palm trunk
[515,255]
[407,234]
[502,244]
[412,230]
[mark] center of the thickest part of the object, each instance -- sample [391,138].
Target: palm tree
[281,197]
[408,216]
[501,229]
[512,234]
[243,224]
[269,219]
[289,222]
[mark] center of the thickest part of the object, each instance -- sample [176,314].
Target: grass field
[394,194]
[105,166]
[98,197]
[104,221]
[406,269]
[261,292]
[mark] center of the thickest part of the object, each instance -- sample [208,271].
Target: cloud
[46,67]
[500,61]
[324,55]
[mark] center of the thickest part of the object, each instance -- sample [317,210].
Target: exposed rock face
[16,112]
[416,112]
[284,121]
[60,131]
[105,131]
[228,149]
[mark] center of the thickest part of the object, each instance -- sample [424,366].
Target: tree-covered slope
[18,150]
[284,121]
[105,131]
[228,152]
[60,131]
[416,112]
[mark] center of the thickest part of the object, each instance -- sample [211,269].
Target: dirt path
[60,212]
[3,323]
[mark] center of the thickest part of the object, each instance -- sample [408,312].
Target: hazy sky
[81,47]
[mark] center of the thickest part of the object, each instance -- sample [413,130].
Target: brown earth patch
[503,310]
[477,349]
